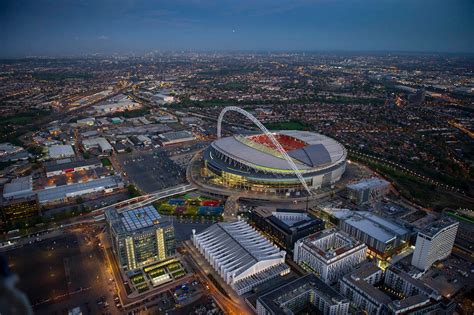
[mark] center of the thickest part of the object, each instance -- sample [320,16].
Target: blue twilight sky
[58,27]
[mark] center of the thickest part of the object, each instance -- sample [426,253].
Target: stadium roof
[313,155]
[320,152]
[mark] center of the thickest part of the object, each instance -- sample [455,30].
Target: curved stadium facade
[253,163]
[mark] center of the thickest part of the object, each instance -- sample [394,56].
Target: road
[233,305]
[91,217]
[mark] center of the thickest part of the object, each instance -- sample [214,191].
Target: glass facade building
[140,237]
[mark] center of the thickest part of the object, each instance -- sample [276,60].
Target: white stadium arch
[268,134]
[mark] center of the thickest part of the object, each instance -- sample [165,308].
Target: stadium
[255,163]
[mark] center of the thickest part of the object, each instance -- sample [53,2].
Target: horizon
[58,28]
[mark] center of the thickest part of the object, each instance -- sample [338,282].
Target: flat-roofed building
[61,151]
[175,137]
[307,293]
[240,255]
[21,187]
[402,282]
[285,226]
[368,190]
[435,242]
[64,166]
[140,237]
[329,254]
[393,292]
[101,143]
[358,287]
[20,208]
[383,236]
[63,193]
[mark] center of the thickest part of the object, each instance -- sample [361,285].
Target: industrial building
[383,236]
[21,187]
[367,190]
[61,151]
[175,137]
[240,255]
[140,237]
[329,254]
[434,243]
[64,166]
[285,226]
[62,193]
[307,293]
[100,143]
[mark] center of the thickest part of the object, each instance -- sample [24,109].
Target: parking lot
[152,170]
[64,272]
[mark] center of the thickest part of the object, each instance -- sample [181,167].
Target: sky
[75,27]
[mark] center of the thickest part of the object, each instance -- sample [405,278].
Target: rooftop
[134,220]
[57,151]
[176,135]
[330,243]
[321,151]
[368,183]
[18,187]
[63,192]
[239,242]
[275,300]
[437,226]
[57,165]
[374,225]
[140,218]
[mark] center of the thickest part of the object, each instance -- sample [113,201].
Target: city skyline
[54,28]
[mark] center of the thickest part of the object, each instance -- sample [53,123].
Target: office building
[329,254]
[307,293]
[240,255]
[140,237]
[434,243]
[285,226]
[383,236]
[367,190]
[20,208]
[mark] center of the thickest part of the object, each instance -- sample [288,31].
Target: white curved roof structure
[241,255]
[321,152]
